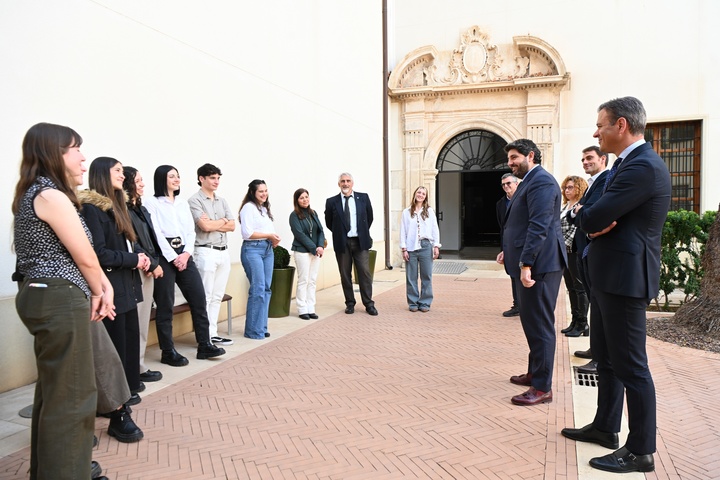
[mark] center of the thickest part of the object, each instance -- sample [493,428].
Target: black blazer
[335,220]
[626,260]
[591,196]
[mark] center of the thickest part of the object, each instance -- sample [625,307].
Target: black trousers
[618,345]
[192,289]
[361,258]
[124,332]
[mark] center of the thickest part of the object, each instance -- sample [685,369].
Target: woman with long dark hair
[107,217]
[173,222]
[308,247]
[134,187]
[62,289]
[257,257]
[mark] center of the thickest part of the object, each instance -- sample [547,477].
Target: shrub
[282,257]
[683,243]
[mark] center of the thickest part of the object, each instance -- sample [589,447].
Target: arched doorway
[469,167]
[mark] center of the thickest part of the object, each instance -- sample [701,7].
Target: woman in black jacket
[147,242]
[106,214]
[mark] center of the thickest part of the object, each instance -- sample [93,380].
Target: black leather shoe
[313,316]
[371,311]
[151,376]
[209,351]
[95,470]
[123,428]
[134,399]
[305,316]
[513,312]
[623,461]
[267,334]
[173,358]
[590,434]
[350,309]
[584,354]
[588,368]
[141,388]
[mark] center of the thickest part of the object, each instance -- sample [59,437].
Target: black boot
[209,351]
[569,327]
[173,358]
[581,328]
[123,428]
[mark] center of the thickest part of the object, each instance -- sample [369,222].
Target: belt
[224,247]
[175,242]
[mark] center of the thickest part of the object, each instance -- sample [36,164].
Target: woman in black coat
[106,214]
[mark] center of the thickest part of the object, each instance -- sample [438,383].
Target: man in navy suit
[624,269]
[594,162]
[534,256]
[349,216]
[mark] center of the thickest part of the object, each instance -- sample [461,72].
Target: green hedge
[683,243]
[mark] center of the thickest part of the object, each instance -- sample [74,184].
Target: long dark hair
[99,180]
[43,148]
[250,197]
[134,199]
[296,206]
[160,181]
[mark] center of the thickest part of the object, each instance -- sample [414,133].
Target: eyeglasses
[506,183]
[569,187]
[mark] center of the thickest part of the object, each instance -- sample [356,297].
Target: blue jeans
[257,259]
[421,260]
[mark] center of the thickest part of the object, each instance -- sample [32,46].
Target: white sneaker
[221,341]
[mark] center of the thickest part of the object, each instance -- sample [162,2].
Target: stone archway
[510,90]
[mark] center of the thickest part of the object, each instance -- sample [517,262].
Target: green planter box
[282,287]
[373,256]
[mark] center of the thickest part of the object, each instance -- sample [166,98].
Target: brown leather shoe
[532,397]
[523,379]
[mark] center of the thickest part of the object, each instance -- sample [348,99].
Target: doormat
[450,268]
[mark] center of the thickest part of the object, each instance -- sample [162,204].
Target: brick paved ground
[401,395]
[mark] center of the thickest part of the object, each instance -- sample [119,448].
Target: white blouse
[414,229]
[170,220]
[253,220]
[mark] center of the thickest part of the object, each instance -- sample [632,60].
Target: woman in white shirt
[257,257]
[420,244]
[173,222]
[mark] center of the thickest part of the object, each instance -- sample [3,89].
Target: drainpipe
[386,160]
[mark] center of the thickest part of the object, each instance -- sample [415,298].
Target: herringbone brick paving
[401,395]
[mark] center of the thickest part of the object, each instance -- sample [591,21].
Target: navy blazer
[591,196]
[626,260]
[532,232]
[335,220]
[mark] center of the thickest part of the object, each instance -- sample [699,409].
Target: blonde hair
[424,213]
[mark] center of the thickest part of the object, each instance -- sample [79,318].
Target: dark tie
[612,172]
[609,177]
[346,212]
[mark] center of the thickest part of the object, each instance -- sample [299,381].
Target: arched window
[476,150]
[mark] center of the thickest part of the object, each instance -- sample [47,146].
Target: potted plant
[282,284]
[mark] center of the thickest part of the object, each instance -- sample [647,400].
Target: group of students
[90,263]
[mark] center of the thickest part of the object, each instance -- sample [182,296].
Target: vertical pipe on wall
[386,161]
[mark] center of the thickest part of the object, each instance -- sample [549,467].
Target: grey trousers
[57,313]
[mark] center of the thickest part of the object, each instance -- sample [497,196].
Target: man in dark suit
[624,269]
[509,184]
[534,255]
[594,162]
[349,216]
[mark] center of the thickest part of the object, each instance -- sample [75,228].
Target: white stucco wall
[662,52]
[289,92]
